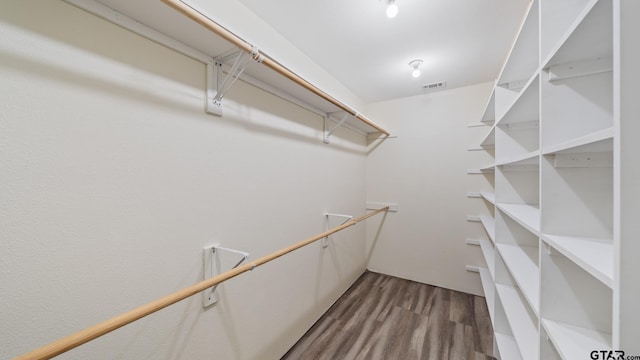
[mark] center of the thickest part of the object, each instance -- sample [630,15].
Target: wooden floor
[382,317]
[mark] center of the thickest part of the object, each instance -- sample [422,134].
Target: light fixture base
[415,65]
[392,9]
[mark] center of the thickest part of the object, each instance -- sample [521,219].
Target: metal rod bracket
[325,241]
[328,131]
[218,84]
[212,267]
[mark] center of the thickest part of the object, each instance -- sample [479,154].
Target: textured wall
[424,171]
[113,180]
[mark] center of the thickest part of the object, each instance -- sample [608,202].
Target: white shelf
[547,348]
[530,158]
[525,331]
[571,295]
[170,27]
[489,115]
[526,215]
[489,288]
[477,125]
[523,270]
[577,101]
[507,347]
[559,18]
[574,342]
[489,257]
[595,256]
[490,169]
[517,131]
[489,141]
[579,69]
[525,106]
[489,196]
[577,192]
[523,57]
[589,37]
[576,108]
[598,141]
[489,224]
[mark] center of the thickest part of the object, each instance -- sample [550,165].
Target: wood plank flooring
[383,317]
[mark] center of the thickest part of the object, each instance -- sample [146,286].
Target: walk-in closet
[286,179]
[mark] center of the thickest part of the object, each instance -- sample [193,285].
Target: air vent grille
[435,85]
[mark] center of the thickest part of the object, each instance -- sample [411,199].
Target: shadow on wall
[180,87]
[67,75]
[252,118]
[66,24]
[244,116]
[260,112]
[377,142]
[376,236]
[177,338]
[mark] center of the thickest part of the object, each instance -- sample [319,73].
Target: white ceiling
[462,42]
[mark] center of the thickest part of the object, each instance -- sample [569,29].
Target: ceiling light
[392,9]
[415,64]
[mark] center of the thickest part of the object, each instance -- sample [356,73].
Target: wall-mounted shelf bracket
[470,241]
[213,265]
[218,84]
[371,205]
[328,130]
[580,68]
[470,268]
[325,241]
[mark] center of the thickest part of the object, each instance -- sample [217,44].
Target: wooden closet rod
[265,59]
[74,340]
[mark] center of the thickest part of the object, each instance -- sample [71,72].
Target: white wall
[424,171]
[113,180]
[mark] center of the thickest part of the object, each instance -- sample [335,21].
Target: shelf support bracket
[328,132]
[217,87]
[212,267]
[325,241]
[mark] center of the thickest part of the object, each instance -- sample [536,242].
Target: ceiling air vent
[435,85]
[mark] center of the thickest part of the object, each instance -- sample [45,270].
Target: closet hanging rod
[74,340]
[258,55]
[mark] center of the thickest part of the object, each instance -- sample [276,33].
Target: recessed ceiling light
[415,64]
[392,9]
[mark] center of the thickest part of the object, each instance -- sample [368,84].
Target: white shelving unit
[593,255]
[489,225]
[489,115]
[488,285]
[507,347]
[523,324]
[489,253]
[517,131]
[489,196]
[522,262]
[574,306]
[561,253]
[574,342]
[505,343]
[489,141]
[528,216]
